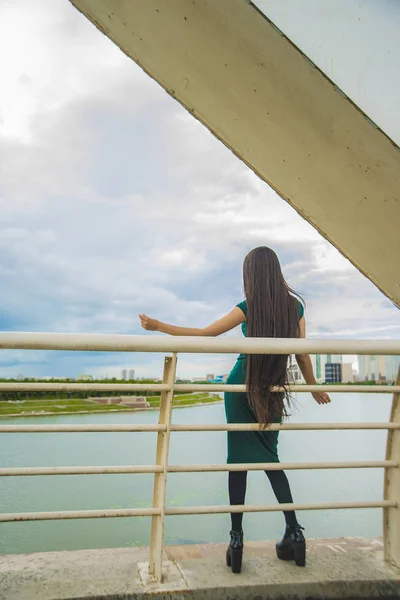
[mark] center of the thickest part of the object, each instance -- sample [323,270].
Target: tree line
[14,395]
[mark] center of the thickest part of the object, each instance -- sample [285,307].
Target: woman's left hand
[321,397]
[149,324]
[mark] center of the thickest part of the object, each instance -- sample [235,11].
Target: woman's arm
[305,366]
[226,323]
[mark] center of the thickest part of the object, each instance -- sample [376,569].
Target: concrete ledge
[337,568]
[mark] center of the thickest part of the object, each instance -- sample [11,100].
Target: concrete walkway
[336,568]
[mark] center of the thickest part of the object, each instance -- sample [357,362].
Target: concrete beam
[234,71]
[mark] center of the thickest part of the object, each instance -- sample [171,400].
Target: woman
[269,310]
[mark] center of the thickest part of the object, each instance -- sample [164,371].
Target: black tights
[280,486]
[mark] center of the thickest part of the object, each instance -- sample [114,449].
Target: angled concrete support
[235,72]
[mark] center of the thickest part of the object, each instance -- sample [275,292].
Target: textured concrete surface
[336,568]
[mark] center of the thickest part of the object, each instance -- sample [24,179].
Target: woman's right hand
[321,397]
[149,324]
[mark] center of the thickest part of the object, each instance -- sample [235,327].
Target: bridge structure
[234,71]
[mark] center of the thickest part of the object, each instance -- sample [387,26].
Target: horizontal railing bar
[205,510]
[28,471]
[40,386]
[160,343]
[337,389]
[193,427]
[79,514]
[189,510]
[79,428]
[26,386]
[281,466]
[283,427]
[35,471]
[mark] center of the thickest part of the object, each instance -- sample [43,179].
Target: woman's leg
[237,493]
[293,545]
[281,488]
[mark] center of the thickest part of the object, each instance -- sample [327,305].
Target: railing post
[160,479]
[391,515]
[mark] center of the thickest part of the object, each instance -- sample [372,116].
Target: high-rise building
[362,367]
[294,374]
[378,368]
[347,373]
[131,374]
[124,374]
[318,369]
[333,372]
[318,362]
[334,358]
[394,366]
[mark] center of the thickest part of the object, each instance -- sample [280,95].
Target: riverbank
[42,408]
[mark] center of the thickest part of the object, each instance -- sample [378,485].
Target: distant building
[392,367]
[217,379]
[323,370]
[198,379]
[294,374]
[84,378]
[319,369]
[318,362]
[210,377]
[131,374]
[124,375]
[378,368]
[347,373]
[334,358]
[333,372]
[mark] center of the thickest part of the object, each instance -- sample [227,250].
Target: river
[74,492]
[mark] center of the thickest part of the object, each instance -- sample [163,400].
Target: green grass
[58,405]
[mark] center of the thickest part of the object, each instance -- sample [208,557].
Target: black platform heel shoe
[292,546]
[234,552]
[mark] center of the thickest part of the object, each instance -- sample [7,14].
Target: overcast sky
[114,200]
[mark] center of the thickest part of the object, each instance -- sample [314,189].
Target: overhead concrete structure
[240,76]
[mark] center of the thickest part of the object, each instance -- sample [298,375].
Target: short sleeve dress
[247,446]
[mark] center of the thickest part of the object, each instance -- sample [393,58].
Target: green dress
[247,446]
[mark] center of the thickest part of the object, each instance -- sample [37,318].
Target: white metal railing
[197,345]
[391,497]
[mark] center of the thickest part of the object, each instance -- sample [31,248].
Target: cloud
[115,201]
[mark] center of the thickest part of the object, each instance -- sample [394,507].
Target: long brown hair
[272,311]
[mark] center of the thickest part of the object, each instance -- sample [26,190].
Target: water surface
[74,492]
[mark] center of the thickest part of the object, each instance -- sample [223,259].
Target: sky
[115,201]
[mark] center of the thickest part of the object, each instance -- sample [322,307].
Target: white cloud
[114,201]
